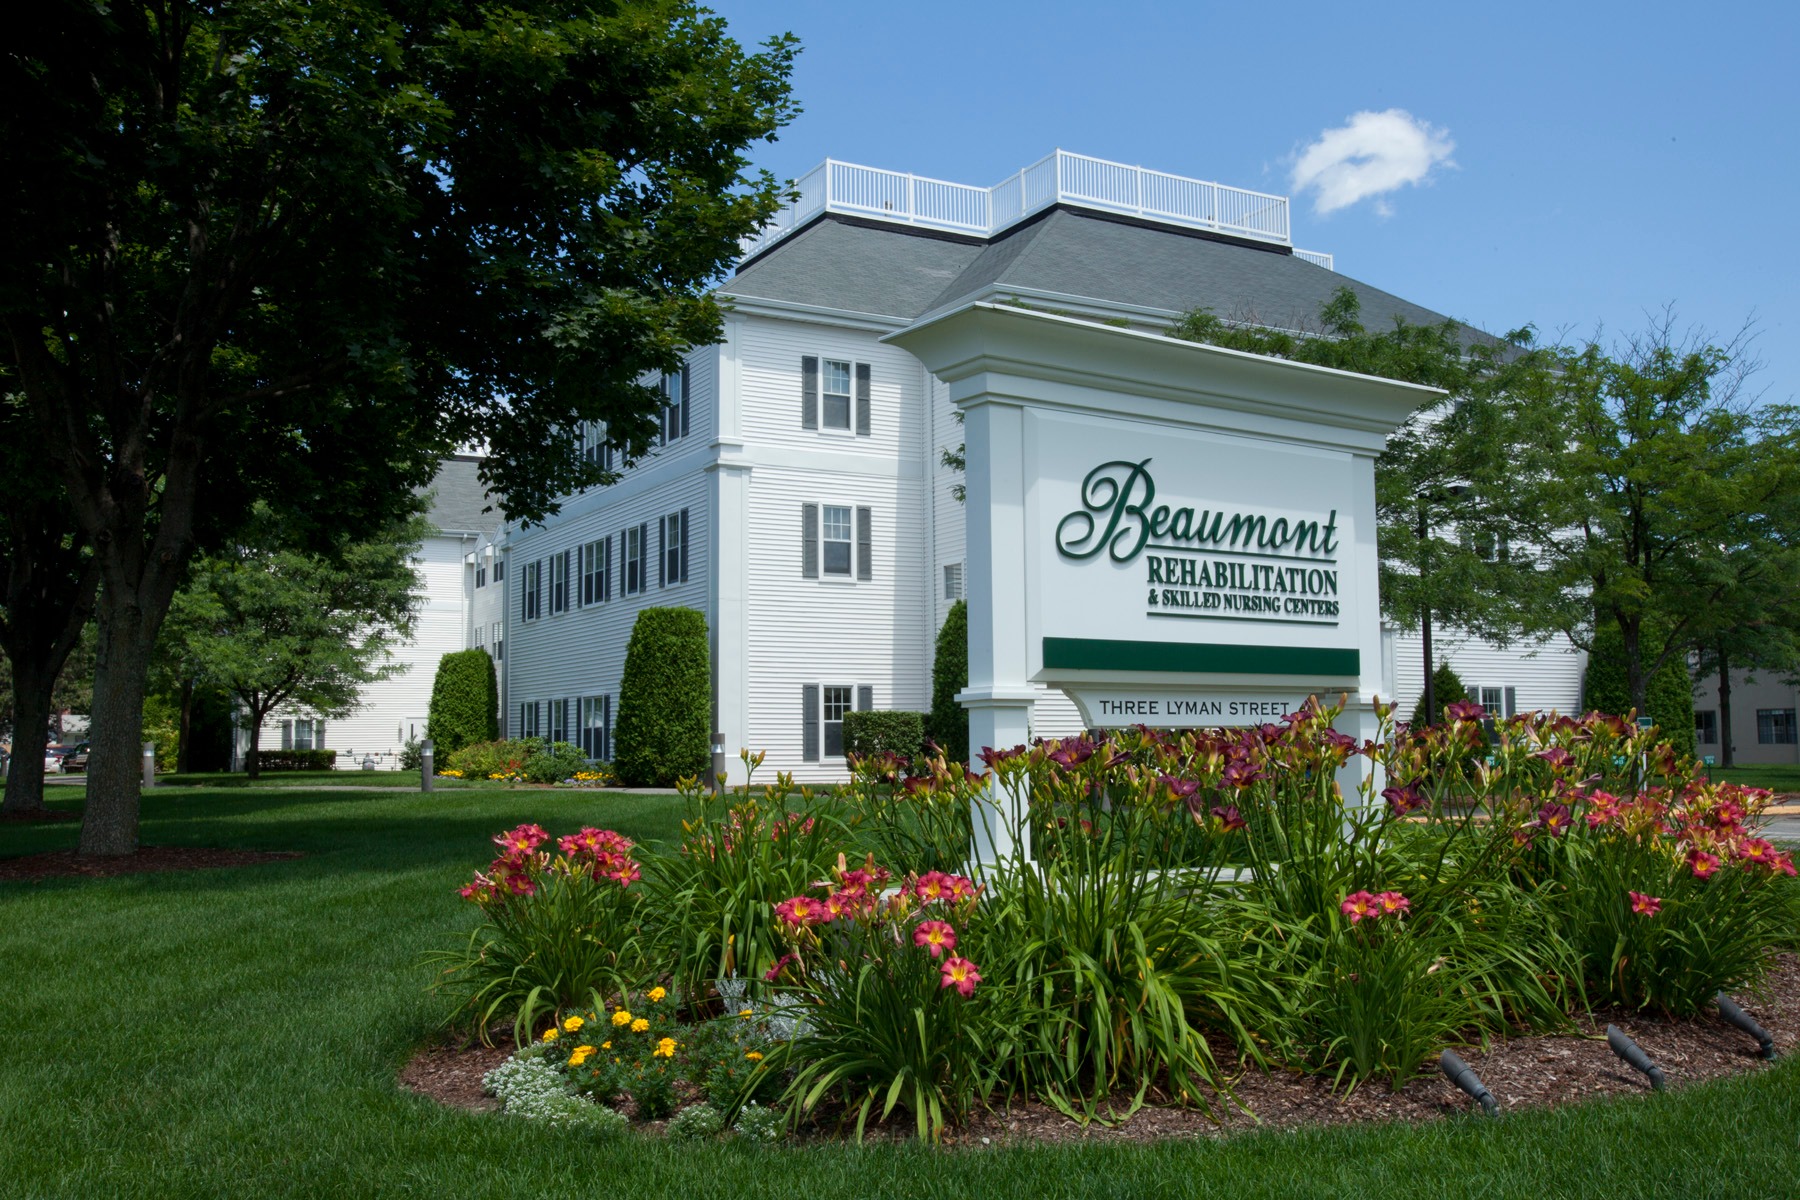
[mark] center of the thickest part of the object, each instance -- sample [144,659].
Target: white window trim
[825,754]
[828,576]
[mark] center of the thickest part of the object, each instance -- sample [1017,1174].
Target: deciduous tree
[267,249]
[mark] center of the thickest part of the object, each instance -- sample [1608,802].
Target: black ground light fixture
[1463,1076]
[1634,1054]
[1736,1016]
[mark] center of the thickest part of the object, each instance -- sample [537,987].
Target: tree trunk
[1631,634]
[1725,759]
[252,767]
[109,826]
[187,725]
[31,719]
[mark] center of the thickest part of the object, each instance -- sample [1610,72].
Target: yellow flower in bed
[621,1018]
[656,994]
[572,1024]
[664,1048]
[752,1055]
[580,1055]
[641,1025]
[550,1034]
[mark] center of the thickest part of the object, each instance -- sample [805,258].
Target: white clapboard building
[452,613]
[800,498]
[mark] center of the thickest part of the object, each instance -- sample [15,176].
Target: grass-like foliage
[557,929]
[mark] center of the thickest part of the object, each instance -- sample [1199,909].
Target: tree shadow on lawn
[361,832]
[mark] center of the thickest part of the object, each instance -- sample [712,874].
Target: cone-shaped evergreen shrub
[1447,688]
[949,725]
[465,702]
[665,700]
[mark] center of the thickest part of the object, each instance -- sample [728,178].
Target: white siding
[1546,675]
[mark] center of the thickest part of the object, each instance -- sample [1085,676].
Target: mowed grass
[237,1032]
[1777,777]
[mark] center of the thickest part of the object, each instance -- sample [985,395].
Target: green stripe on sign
[1101,654]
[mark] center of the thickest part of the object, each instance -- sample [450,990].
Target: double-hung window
[837,542]
[559,720]
[559,582]
[499,643]
[480,633]
[303,734]
[499,570]
[596,564]
[1706,727]
[953,581]
[1775,726]
[675,406]
[636,559]
[593,717]
[823,706]
[835,393]
[528,719]
[531,591]
[480,571]
[672,530]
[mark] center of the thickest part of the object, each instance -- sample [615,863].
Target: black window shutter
[1512,702]
[809,713]
[809,541]
[684,545]
[662,552]
[865,543]
[865,698]
[644,556]
[862,399]
[624,567]
[687,401]
[663,386]
[809,392]
[606,728]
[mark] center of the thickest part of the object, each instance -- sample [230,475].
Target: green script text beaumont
[1117,516]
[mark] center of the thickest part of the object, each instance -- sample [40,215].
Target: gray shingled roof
[458,499]
[863,267]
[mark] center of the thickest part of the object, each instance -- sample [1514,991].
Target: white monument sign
[1174,534]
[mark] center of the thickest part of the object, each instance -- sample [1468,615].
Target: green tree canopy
[296,252]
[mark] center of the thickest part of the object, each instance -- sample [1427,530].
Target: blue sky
[1578,167]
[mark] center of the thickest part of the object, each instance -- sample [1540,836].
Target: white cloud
[1371,154]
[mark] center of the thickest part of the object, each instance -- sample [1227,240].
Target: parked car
[76,759]
[53,757]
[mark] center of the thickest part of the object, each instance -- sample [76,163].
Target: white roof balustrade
[1060,177]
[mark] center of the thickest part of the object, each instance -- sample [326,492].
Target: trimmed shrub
[465,702]
[1669,700]
[867,733]
[554,763]
[949,723]
[665,700]
[296,760]
[1448,688]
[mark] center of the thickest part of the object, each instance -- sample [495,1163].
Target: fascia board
[818,314]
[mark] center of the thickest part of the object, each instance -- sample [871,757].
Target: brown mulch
[56,864]
[1523,1072]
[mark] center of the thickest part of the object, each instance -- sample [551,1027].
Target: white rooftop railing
[1060,177]
[1317,258]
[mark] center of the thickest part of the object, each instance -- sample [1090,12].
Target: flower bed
[1195,905]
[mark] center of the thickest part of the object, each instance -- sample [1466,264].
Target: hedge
[1447,688]
[949,721]
[867,733]
[1669,699]
[296,760]
[465,702]
[663,729]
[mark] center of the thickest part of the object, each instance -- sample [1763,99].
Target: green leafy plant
[890,1006]
[740,853]
[665,700]
[1447,688]
[494,760]
[884,732]
[556,930]
[925,818]
[554,762]
[296,760]
[465,702]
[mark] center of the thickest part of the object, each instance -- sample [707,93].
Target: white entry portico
[1174,534]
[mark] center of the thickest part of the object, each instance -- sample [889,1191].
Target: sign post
[1172,534]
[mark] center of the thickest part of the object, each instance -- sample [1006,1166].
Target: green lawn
[1778,777]
[236,1033]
